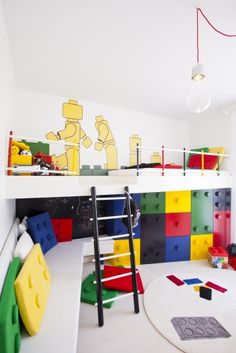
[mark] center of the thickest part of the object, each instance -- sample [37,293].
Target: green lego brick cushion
[89,294]
[10,331]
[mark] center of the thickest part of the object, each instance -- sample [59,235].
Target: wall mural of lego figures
[72,133]
[106,141]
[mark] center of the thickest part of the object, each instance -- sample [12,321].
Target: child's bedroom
[117,176]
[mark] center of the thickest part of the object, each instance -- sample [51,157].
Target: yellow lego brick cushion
[220,150]
[32,287]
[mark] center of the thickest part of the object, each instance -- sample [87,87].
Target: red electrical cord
[215,29]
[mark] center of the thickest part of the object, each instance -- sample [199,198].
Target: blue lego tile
[42,232]
[177,248]
[190,281]
[116,207]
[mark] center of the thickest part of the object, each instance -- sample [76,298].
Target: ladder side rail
[97,258]
[131,247]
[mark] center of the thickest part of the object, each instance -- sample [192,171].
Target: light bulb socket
[198,72]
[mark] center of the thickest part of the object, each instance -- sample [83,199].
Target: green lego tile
[153,203]
[89,295]
[10,330]
[100,172]
[86,170]
[202,212]
[36,147]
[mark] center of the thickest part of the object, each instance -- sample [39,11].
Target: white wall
[36,114]
[7,97]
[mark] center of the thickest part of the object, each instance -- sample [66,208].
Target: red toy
[217,257]
[40,156]
[62,229]
[123,284]
[232,262]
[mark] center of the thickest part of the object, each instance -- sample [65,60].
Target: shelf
[20,187]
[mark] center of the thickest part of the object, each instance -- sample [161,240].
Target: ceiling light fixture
[199,98]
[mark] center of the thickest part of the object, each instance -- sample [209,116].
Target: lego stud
[40,259]
[144,207]
[228,204]
[176,247]
[206,228]
[157,206]
[38,301]
[157,254]
[218,216]
[144,195]
[228,215]
[31,282]
[206,241]
[17,343]
[195,193]
[176,223]
[176,200]
[194,228]
[46,275]
[218,193]
[157,194]
[206,194]
[228,193]
[218,204]
[157,218]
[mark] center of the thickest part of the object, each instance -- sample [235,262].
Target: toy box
[217,257]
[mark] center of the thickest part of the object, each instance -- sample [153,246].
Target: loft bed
[165,177]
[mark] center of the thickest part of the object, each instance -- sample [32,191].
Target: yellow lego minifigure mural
[155,157]
[72,133]
[133,141]
[107,142]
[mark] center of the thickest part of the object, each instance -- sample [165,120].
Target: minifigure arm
[102,132]
[86,140]
[69,131]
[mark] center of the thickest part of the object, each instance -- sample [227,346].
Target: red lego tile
[178,224]
[221,229]
[62,228]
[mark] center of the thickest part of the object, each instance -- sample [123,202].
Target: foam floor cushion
[124,283]
[42,232]
[220,150]
[10,331]
[23,246]
[32,287]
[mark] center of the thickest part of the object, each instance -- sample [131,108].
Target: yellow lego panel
[220,150]
[21,159]
[122,246]
[32,288]
[178,201]
[72,110]
[199,246]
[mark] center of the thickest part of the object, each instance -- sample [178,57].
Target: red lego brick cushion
[123,284]
[195,161]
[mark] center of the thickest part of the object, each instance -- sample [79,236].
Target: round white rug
[163,300]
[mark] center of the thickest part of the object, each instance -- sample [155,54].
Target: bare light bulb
[199,98]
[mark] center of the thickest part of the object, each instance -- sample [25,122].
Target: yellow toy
[155,157]
[32,288]
[133,140]
[107,142]
[20,154]
[72,133]
[122,246]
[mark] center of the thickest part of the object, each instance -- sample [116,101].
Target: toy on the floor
[197,327]
[32,287]
[191,281]
[41,231]
[215,286]
[10,330]
[217,257]
[89,293]
[123,284]
[175,280]
[205,292]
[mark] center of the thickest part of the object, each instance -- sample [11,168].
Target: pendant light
[199,98]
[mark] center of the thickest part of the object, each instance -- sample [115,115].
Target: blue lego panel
[190,281]
[222,199]
[41,231]
[177,248]
[114,208]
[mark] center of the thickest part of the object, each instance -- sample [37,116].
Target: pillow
[220,150]
[204,149]
[10,332]
[32,287]
[23,225]
[23,246]
[195,161]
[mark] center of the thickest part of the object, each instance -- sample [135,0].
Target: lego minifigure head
[99,118]
[72,110]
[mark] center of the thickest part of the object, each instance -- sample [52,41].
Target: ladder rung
[109,198]
[109,237]
[117,298]
[116,277]
[110,217]
[113,256]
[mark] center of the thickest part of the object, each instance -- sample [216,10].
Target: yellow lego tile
[72,110]
[21,160]
[122,246]
[178,201]
[32,288]
[199,246]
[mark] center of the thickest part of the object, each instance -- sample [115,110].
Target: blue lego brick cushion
[41,231]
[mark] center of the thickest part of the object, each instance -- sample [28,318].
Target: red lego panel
[178,224]
[123,283]
[62,228]
[221,229]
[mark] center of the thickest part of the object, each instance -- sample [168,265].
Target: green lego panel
[36,147]
[202,212]
[10,330]
[98,171]
[153,203]
[89,294]
[86,170]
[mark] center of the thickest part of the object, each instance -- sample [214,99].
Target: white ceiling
[135,54]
